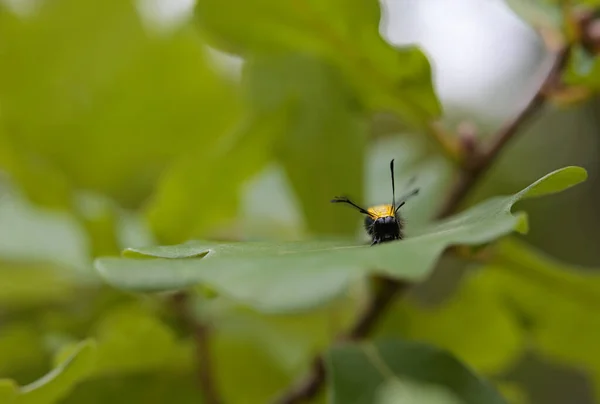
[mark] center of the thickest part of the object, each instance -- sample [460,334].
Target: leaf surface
[274,277]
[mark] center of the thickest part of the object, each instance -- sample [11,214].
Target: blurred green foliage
[116,135]
[360,372]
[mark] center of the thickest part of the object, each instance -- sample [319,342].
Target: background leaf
[76,106]
[157,387]
[472,324]
[8,391]
[346,34]
[323,116]
[22,349]
[552,301]
[34,284]
[541,14]
[357,373]
[404,392]
[132,340]
[59,382]
[522,302]
[201,189]
[583,69]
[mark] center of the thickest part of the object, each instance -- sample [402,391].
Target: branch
[309,387]
[480,161]
[476,164]
[200,333]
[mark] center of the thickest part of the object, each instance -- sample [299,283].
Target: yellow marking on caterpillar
[381,211]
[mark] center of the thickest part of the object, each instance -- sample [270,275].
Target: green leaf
[514,393]
[32,245]
[583,69]
[269,351]
[275,277]
[132,340]
[100,219]
[9,391]
[346,33]
[201,189]
[243,356]
[324,122]
[406,392]
[551,300]
[56,384]
[25,284]
[474,314]
[359,372]
[107,109]
[541,14]
[22,348]
[269,208]
[155,387]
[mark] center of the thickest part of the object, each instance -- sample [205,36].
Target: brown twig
[476,164]
[309,387]
[200,333]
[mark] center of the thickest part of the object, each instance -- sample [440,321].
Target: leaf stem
[476,162]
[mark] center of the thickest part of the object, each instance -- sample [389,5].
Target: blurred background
[129,123]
